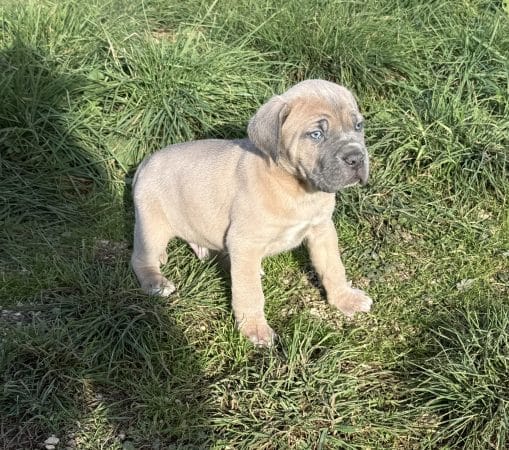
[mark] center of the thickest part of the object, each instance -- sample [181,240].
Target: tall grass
[468,395]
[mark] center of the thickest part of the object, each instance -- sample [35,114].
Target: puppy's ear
[264,128]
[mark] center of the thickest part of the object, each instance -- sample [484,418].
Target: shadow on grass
[455,375]
[89,370]
[46,170]
[82,355]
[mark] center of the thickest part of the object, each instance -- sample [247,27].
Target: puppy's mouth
[334,178]
[352,184]
[363,177]
[332,186]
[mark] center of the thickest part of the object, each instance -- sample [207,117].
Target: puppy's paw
[161,288]
[258,332]
[162,291]
[201,252]
[350,301]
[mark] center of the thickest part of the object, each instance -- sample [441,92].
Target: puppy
[256,197]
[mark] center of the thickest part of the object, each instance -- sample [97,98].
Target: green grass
[89,88]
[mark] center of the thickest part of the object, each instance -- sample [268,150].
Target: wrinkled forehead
[339,111]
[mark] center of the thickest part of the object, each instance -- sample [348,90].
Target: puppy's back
[193,185]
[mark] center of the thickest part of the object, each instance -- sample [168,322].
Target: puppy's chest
[290,236]
[295,221]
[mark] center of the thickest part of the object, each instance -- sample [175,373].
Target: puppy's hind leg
[151,235]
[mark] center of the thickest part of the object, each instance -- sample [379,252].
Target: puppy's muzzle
[354,156]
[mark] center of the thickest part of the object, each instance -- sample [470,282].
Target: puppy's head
[315,131]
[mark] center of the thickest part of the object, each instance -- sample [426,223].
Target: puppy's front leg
[322,243]
[247,295]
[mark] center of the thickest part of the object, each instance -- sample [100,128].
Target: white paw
[162,291]
[351,301]
[363,302]
[258,332]
[201,252]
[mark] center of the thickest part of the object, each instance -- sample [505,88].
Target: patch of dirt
[108,252]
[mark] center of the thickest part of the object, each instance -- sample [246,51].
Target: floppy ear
[264,128]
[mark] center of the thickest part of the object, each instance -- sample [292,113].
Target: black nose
[354,159]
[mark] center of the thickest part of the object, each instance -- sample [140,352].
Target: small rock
[49,447]
[52,440]
[128,445]
[484,215]
[465,285]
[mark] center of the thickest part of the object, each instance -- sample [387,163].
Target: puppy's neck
[290,182]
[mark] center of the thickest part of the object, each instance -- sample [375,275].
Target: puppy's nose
[353,156]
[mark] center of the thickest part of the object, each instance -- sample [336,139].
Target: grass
[89,88]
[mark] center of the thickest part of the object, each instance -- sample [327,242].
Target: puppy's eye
[316,135]
[359,126]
